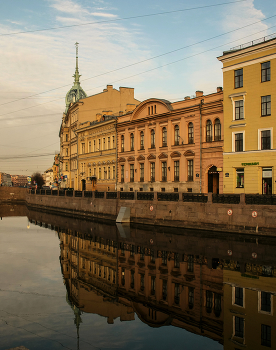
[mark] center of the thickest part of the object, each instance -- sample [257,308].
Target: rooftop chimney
[219,89]
[199,93]
[186,97]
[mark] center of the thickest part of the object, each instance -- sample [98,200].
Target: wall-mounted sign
[226,174]
[254,163]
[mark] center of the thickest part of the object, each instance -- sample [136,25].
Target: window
[266,105]
[66,137]
[176,170]
[164,257]
[190,133]
[164,171]
[113,141]
[217,130]
[100,173]
[66,151]
[141,172]
[152,138]
[132,279]
[238,296]
[94,171]
[113,171]
[142,140]
[109,173]
[190,170]
[191,297]
[190,263]
[239,110]
[265,302]
[142,282]
[176,260]
[122,173]
[99,148]
[240,177]
[104,171]
[94,146]
[131,172]
[266,335]
[265,139]
[83,148]
[239,142]
[104,143]
[217,304]
[209,301]
[176,293]
[265,71]
[152,171]
[164,290]
[239,326]
[164,137]
[66,166]
[208,131]
[122,143]
[152,285]
[238,78]
[89,146]
[108,143]
[176,135]
[132,142]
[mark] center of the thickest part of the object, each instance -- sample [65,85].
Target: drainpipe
[200,146]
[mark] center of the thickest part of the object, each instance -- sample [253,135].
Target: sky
[161,49]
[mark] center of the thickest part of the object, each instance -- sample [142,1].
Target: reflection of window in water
[132,251]
[142,282]
[164,257]
[190,265]
[266,335]
[152,285]
[209,301]
[176,293]
[142,254]
[265,301]
[238,296]
[267,270]
[164,290]
[123,276]
[239,327]
[217,304]
[152,258]
[132,279]
[176,260]
[191,297]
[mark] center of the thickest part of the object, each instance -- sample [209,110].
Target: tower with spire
[76,92]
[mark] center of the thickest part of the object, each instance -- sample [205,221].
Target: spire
[77,75]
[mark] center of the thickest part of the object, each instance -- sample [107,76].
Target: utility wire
[121,19]
[143,61]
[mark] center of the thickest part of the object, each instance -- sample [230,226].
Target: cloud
[103,14]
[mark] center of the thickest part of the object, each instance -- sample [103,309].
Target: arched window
[208,131]
[132,142]
[122,143]
[176,135]
[190,133]
[142,146]
[164,137]
[152,138]
[217,131]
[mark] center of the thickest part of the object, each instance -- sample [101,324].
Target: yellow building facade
[249,158]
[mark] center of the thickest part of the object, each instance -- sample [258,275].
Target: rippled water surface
[40,310]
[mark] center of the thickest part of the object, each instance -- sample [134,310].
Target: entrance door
[213,180]
[267,180]
[83,185]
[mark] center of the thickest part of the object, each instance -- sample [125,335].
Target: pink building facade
[172,147]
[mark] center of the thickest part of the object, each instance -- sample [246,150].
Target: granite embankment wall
[203,216]
[12,194]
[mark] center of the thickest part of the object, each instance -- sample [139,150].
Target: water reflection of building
[249,297]
[117,278]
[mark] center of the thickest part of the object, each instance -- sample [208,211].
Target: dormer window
[152,110]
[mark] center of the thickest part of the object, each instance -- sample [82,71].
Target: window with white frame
[265,302]
[238,327]
[266,105]
[265,138]
[239,110]
[238,140]
[240,177]
[238,296]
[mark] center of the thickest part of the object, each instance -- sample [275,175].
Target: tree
[38,180]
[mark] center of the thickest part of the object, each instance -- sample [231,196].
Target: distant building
[19,180]
[164,146]
[249,157]
[6,179]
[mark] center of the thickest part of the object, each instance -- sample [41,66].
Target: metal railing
[99,194]
[260,199]
[78,193]
[145,196]
[168,196]
[226,198]
[253,42]
[194,197]
[127,195]
[111,195]
[88,194]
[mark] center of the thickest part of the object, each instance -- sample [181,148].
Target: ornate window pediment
[189,153]
[140,158]
[175,154]
[121,160]
[162,155]
[131,159]
[151,156]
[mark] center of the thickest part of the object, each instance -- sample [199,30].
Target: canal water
[72,284]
